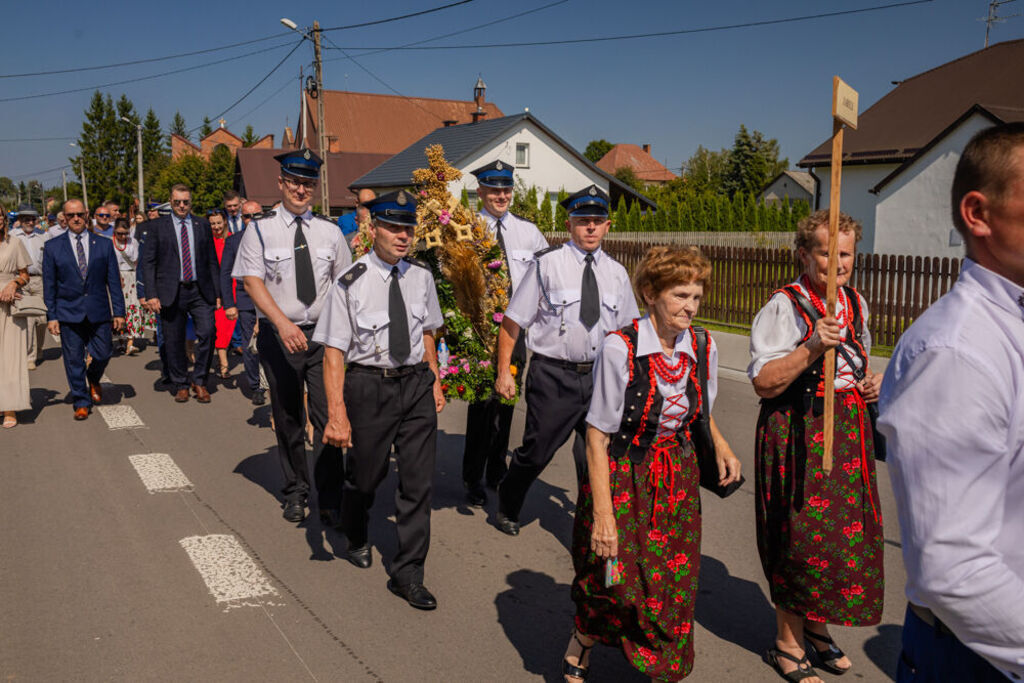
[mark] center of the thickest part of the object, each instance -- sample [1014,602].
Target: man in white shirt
[952,410]
[33,239]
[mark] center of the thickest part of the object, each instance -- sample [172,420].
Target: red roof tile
[647,168]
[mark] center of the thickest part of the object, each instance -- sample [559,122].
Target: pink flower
[856,527]
[423,193]
[495,265]
[498,317]
[444,217]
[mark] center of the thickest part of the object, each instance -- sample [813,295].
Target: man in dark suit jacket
[81,283]
[182,278]
[238,306]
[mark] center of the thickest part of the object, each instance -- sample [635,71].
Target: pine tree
[633,218]
[99,146]
[621,221]
[220,179]
[464,199]
[178,127]
[249,137]
[206,128]
[154,148]
[561,215]
[545,216]
[675,220]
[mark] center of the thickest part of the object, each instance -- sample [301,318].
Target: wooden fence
[897,288]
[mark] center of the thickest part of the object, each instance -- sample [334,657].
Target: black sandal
[571,670]
[828,657]
[803,669]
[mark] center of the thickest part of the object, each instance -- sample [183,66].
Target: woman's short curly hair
[668,266]
[807,227]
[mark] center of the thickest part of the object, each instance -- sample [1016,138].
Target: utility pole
[142,202]
[993,18]
[81,174]
[325,201]
[64,182]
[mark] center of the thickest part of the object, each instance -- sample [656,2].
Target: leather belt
[400,371]
[928,617]
[188,285]
[580,368]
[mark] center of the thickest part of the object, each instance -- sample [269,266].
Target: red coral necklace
[819,305]
[670,373]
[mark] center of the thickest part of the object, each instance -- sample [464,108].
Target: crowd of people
[348,353]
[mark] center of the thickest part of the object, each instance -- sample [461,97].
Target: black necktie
[398,325]
[590,308]
[305,285]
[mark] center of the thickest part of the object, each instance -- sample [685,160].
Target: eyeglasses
[249,216]
[181,202]
[103,215]
[296,184]
[75,214]
[121,234]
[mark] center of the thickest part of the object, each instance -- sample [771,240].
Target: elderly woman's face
[676,307]
[815,260]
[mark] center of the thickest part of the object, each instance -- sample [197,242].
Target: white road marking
[230,574]
[159,473]
[121,417]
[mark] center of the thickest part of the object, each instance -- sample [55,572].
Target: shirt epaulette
[416,262]
[352,274]
[538,254]
[516,215]
[266,214]
[323,217]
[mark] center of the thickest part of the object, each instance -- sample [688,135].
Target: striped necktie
[83,266]
[186,254]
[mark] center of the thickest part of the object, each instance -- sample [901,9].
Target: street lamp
[138,161]
[81,174]
[321,134]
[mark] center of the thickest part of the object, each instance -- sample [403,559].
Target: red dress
[225,327]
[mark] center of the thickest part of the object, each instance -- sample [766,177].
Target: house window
[474,200]
[523,154]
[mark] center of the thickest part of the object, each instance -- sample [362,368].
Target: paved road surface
[201,579]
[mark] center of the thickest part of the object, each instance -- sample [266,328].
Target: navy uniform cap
[152,205]
[163,209]
[300,162]
[590,201]
[27,210]
[495,174]
[397,207]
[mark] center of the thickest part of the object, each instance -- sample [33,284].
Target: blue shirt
[348,224]
[191,243]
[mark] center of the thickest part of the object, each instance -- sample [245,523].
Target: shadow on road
[264,469]
[38,399]
[884,647]
[734,609]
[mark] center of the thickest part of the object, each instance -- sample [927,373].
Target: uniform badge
[498,166]
[305,155]
[593,191]
[352,274]
[402,201]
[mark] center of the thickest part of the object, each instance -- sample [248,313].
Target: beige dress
[13,333]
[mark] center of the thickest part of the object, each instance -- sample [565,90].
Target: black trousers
[250,361]
[174,320]
[557,400]
[289,375]
[386,411]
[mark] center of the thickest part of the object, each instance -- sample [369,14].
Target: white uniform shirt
[548,303]
[273,261]
[522,240]
[611,375]
[355,319]
[952,410]
[778,329]
[127,258]
[34,246]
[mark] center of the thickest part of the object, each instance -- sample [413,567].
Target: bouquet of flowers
[472,280]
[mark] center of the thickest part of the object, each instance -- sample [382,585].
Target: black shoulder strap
[416,262]
[700,339]
[352,274]
[538,254]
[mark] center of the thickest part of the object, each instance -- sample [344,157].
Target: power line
[288,81]
[32,139]
[38,174]
[149,60]
[657,34]
[258,84]
[404,16]
[143,78]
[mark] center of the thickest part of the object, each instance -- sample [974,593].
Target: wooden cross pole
[844,111]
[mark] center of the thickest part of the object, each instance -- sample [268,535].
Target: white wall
[856,200]
[783,187]
[551,166]
[913,214]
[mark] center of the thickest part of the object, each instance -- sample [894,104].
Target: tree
[221,177]
[206,128]
[627,175]
[561,215]
[8,191]
[753,161]
[100,146]
[597,149]
[249,137]
[178,127]
[620,223]
[155,155]
[705,171]
[464,199]
[545,217]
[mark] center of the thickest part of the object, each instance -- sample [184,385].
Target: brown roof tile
[895,127]
[383,124]
[646,167]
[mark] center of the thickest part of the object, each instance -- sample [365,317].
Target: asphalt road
[201,579]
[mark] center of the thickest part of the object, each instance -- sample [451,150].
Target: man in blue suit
[80,285]
[238,306]
[182,278]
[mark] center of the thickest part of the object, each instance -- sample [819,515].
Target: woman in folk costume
[636,538]
[819,534]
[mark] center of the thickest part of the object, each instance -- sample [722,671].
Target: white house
[898,165]
[792,185]
[540,157]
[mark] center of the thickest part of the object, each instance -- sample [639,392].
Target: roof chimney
[449,122]
[647,148]
[478,96]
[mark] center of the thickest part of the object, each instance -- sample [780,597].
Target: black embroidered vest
[641,411]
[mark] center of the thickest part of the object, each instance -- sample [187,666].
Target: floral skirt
[137,321]
[820,537]
[650,614]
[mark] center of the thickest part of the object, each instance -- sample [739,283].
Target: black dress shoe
[475,495]
[259,397]
[507,525]
[360,556]
[415,594]
[294,511]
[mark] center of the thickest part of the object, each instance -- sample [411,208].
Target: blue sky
[673,92]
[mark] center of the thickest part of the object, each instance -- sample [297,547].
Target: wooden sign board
[844,103]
